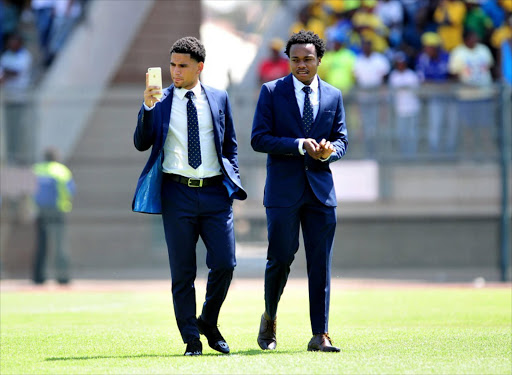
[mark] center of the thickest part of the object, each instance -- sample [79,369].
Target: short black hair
[306,37]
[190,45]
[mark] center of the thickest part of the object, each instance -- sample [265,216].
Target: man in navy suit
[191,178]
[300,123]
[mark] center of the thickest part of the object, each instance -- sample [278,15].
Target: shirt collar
[299,85]
[181,91]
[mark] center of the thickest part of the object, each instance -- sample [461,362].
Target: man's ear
[319,61]
[200,67]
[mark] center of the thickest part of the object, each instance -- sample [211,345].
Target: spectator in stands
[391,14]
[471,62]
[432,69]
[307,21]
[43,13]
[370,71]
[370,27]
[417,21]
[477,20]
[404,82]
[54,194]
[276,65]
[338,64]
[66,15]
[16,67]
[342,26]
[500,34]
[450,15]
[494,11]
[11,13]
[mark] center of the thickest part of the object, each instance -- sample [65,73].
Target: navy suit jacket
[276,130]
[151,131]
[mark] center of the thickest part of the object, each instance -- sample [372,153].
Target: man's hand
[326,149]
[316,150]
[150,92]
[312,148]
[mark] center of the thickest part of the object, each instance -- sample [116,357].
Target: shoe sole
[325,351]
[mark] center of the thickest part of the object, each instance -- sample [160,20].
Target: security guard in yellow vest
[53,197]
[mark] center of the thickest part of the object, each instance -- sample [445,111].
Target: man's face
[304,62]
[471,40]
[185,70]
[431,51]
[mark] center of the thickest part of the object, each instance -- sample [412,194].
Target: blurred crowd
[53,20]
[402,45]
[32,32]
[410,28]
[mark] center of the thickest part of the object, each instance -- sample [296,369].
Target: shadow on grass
[239,352]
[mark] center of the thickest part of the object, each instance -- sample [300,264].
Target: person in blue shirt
[53,197]
[432,68]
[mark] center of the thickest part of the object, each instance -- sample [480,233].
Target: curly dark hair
[306,37]
[190,45]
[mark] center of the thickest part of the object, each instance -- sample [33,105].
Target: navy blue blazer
[151,131]
[276,130]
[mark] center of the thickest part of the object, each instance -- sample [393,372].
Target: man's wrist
[325,159]
[148,108]
[302,151]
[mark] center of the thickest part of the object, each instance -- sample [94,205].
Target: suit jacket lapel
[292,99]
[215,111]
[166,111]
[321,105]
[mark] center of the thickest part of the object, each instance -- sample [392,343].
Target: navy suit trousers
[188,213]
[318,224]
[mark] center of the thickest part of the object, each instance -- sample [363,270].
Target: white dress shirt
[314,96]
[314,99]
[176,143]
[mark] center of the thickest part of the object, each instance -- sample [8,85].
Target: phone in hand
[155,79]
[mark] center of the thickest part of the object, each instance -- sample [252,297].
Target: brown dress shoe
[322,343]
[267,335]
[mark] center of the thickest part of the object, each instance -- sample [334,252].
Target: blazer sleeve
[144,135]
[339,134]
[262,138]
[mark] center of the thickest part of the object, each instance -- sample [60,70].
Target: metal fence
[415,156]
[445,122]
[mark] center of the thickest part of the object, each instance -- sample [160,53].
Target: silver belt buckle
[195,183]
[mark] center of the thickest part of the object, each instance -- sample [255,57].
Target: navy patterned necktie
[307,114]
[194,144]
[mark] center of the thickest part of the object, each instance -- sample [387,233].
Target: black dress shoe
[322,343]
[194,347]
[212,333]
[267,336]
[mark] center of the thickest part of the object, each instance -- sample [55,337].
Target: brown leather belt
[196,182]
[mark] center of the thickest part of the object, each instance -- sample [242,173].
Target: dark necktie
[194,145]
[307,114]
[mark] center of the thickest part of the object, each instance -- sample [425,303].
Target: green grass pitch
[420,330]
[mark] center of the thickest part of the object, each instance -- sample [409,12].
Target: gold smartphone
[155,79]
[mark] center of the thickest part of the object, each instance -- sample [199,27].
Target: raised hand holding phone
[153,92]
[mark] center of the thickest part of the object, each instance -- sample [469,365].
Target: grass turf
[380,331]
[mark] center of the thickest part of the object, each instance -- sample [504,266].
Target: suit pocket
[328,116]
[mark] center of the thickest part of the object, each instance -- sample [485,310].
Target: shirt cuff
[301,146]
[148,108]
